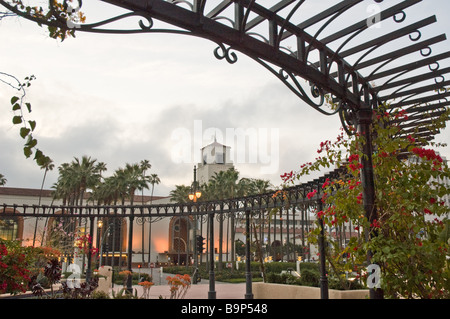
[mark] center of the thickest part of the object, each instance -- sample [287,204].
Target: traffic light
[200,244]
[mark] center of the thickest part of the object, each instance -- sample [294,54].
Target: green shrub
[100,295]
[310,277]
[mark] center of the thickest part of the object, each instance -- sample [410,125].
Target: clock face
[177,228]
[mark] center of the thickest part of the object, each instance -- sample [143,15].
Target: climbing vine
[407,240]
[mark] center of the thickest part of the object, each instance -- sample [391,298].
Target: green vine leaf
[14,99]
[24,132]
[32,125]
[17,119]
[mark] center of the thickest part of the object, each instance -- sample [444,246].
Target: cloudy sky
[124,98]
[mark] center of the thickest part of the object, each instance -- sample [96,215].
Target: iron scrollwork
[222,52]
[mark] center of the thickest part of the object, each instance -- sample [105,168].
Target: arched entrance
[180,239]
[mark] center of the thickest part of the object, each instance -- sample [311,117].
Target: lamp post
[193,196]
[108,229]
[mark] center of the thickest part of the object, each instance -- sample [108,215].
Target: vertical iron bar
[212,289]
[364,117]
[89,261]
[323,271]
[248,273]
[130,253]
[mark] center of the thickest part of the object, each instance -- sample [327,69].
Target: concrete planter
[263,290]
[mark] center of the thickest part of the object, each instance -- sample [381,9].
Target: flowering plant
[82,243]
[179,285]
[14,275]
[146,285]
[406,237]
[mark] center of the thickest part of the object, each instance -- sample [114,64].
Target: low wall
[263,290]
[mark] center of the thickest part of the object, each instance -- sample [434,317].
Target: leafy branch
[60,18]
[20,107]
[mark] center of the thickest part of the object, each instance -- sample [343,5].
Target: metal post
[130,255]
[323,271]
[364,117]
[211,292]
[248,273]
[89,261]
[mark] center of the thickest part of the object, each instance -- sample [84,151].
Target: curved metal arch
[189,18]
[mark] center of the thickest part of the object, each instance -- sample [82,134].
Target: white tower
[215,158]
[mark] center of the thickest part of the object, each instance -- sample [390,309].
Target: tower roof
[215,144]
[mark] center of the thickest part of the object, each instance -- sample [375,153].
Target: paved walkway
[199,291]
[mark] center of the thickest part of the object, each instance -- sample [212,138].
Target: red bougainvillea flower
[375,224]
[353,158]
[287,176]
[320,214]
[311,194]
[352,183]
[327,182]
[411,139]
[324,146]
[359,198]
[427,153]
[427,211]
[354,162]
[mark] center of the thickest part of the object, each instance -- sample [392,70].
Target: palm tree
[3,180]
[180,194]
[134,180]
[154,179]
[86,174]
[144,166]
[48,166]
[224,184]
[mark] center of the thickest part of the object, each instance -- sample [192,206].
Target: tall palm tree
[154,179]
[48,166]
[3,180]
[144,165]
[224,184]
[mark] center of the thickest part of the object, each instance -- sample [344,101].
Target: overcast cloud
[119,99]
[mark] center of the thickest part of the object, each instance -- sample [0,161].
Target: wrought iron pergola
[358,65]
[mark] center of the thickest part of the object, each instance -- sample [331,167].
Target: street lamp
[193,196]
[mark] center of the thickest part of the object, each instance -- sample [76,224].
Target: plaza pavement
[198,291]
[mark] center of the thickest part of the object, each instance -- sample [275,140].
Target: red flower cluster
[354,162]
[320,214]
[83,242]
[359,198]
[324,146]
[428,154]
[401,114]
[383,154]
[352,183]
[287,176]
[14,277]
[311,194]
[327,183]
[375,224]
